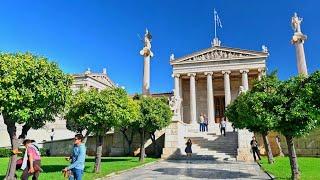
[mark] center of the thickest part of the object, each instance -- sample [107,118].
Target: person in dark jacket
[188,149]
[254,148]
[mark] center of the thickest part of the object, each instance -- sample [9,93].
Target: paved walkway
[201,169]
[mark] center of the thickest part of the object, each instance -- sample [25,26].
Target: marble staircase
[211,145]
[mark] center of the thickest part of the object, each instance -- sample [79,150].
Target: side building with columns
[206,82]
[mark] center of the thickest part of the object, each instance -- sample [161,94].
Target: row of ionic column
[210,97]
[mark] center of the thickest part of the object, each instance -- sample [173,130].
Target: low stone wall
[120,146]
[305,146]
[64,147]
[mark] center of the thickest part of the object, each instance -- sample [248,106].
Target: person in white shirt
[201,121]
[222,126]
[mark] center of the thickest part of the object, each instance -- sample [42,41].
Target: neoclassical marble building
[206,82]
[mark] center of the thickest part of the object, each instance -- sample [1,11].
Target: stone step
[204,157]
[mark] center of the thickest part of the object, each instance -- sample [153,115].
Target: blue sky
[80,34]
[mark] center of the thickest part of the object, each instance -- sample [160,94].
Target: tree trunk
[295,174]
[154,144]
[267,147]
[15,142]
[142,150]
[129,141]
[99,144]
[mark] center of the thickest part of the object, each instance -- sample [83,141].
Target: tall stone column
[210,99]
[147,54]
[227,91]
[298,40]
[181,96]
[193,106]
[245,82]
[176,84]
[146,76]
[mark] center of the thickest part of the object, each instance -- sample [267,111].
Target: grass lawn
[52,166]
[309,167]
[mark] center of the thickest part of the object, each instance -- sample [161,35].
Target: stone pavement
[198,169]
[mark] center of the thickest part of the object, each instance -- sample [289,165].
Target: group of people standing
[203,121]
[31,161]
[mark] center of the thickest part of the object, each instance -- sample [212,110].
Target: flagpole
[215,23]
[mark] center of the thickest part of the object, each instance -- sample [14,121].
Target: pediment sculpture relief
[218,54]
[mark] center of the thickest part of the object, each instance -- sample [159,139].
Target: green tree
[98,112]
[129,125]
[299,112]
[253,110]
[33,91]
[295,110]
[155,115]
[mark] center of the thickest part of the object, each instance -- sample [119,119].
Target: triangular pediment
[218,53]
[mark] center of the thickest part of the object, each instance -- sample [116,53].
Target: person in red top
[33,161]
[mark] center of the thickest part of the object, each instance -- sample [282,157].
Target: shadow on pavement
[204,173]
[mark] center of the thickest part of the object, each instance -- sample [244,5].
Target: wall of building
[305,146]
[64,147]
[39,135]
[120,146]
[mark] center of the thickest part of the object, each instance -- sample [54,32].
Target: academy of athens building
[206,82]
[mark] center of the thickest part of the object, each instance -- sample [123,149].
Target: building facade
[206,82]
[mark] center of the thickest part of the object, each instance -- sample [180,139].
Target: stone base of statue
[174,140]
[244,147]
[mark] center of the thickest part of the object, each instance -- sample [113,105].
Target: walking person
[205,124]
[77,158]
[31,163]
[52,133]
[201,121]
[188,150]
[222,126]
[254,148]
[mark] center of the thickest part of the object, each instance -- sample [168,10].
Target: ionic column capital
[208,73]
[244,71]
[175,75]
[226,72]
[192,74]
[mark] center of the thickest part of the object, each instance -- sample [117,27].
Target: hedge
[5,152]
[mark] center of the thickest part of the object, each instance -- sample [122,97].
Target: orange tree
[33,91]
[99,111]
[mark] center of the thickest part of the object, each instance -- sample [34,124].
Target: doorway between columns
[219,106]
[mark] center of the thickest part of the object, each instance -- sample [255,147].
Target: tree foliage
[253,110]
[290,107]
[155,114]
[33,91]
[99,111]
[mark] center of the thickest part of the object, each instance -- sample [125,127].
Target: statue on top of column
[146,51]
[298,36]
[296,22]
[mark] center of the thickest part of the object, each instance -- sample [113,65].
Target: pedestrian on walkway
[205,124]
[201,122]
[222,126]
[77,158]
[254,148]
[52,133]
[188,150]
[31,163]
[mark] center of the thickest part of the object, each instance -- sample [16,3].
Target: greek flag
[217,19]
